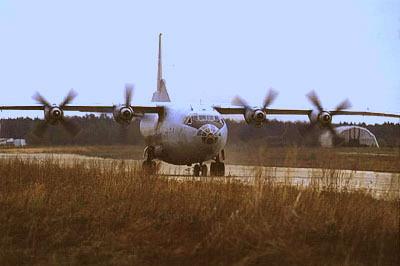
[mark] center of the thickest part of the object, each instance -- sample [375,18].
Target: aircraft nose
[209,134]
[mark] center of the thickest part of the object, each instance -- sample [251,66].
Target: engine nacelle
[256,117]
[123,114]
[323,118]
[53,114]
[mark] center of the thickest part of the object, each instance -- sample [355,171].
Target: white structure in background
[19,142]
[11,141]
[353,136]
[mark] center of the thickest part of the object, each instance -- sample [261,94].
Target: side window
[188,120]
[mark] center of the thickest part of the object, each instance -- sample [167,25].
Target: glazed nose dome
[209,134]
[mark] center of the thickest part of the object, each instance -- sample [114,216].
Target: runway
[379,184]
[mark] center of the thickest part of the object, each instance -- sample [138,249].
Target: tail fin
[161,95]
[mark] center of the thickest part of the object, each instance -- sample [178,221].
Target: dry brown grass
[87,214]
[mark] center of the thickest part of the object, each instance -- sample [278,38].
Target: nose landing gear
[217,168]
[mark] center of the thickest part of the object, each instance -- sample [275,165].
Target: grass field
[372,159]
[87,214]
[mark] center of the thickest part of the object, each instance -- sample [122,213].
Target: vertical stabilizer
[159,65]
[161,95]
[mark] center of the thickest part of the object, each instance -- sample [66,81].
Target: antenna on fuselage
[161,95]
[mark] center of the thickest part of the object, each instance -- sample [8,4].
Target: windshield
[209,118]
[197,121]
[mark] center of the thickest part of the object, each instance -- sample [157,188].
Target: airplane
[185,134]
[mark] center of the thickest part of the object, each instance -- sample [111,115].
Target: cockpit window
[198,120]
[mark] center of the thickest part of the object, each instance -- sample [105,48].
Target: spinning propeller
[54,114]
[321,116]
[128,94]
[124,114]
[256,115]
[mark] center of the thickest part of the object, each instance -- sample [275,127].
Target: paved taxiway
[379,184]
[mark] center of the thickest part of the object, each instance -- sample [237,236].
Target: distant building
[349,136]
[12,142]
[19,142]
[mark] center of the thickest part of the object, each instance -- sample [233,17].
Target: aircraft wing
[288,112]
[149,109]
[240,110]
[155,109]
[22,108]
[230,110]
[364,113]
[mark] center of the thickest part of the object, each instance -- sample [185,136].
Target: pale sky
[213,50]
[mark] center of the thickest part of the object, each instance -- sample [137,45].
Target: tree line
[103,130]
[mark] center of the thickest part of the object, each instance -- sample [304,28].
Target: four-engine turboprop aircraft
[185,135]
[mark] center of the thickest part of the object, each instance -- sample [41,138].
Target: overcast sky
[213,50]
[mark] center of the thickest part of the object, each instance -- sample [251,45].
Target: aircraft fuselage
[185,135]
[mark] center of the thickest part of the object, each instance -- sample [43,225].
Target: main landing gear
[149,165]
[217,168]
[200,169]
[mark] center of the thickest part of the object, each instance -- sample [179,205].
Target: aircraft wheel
[149,153]
[221,169]
[196,170]
[149,167]
[213,169]
[204,170]
[217,169]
